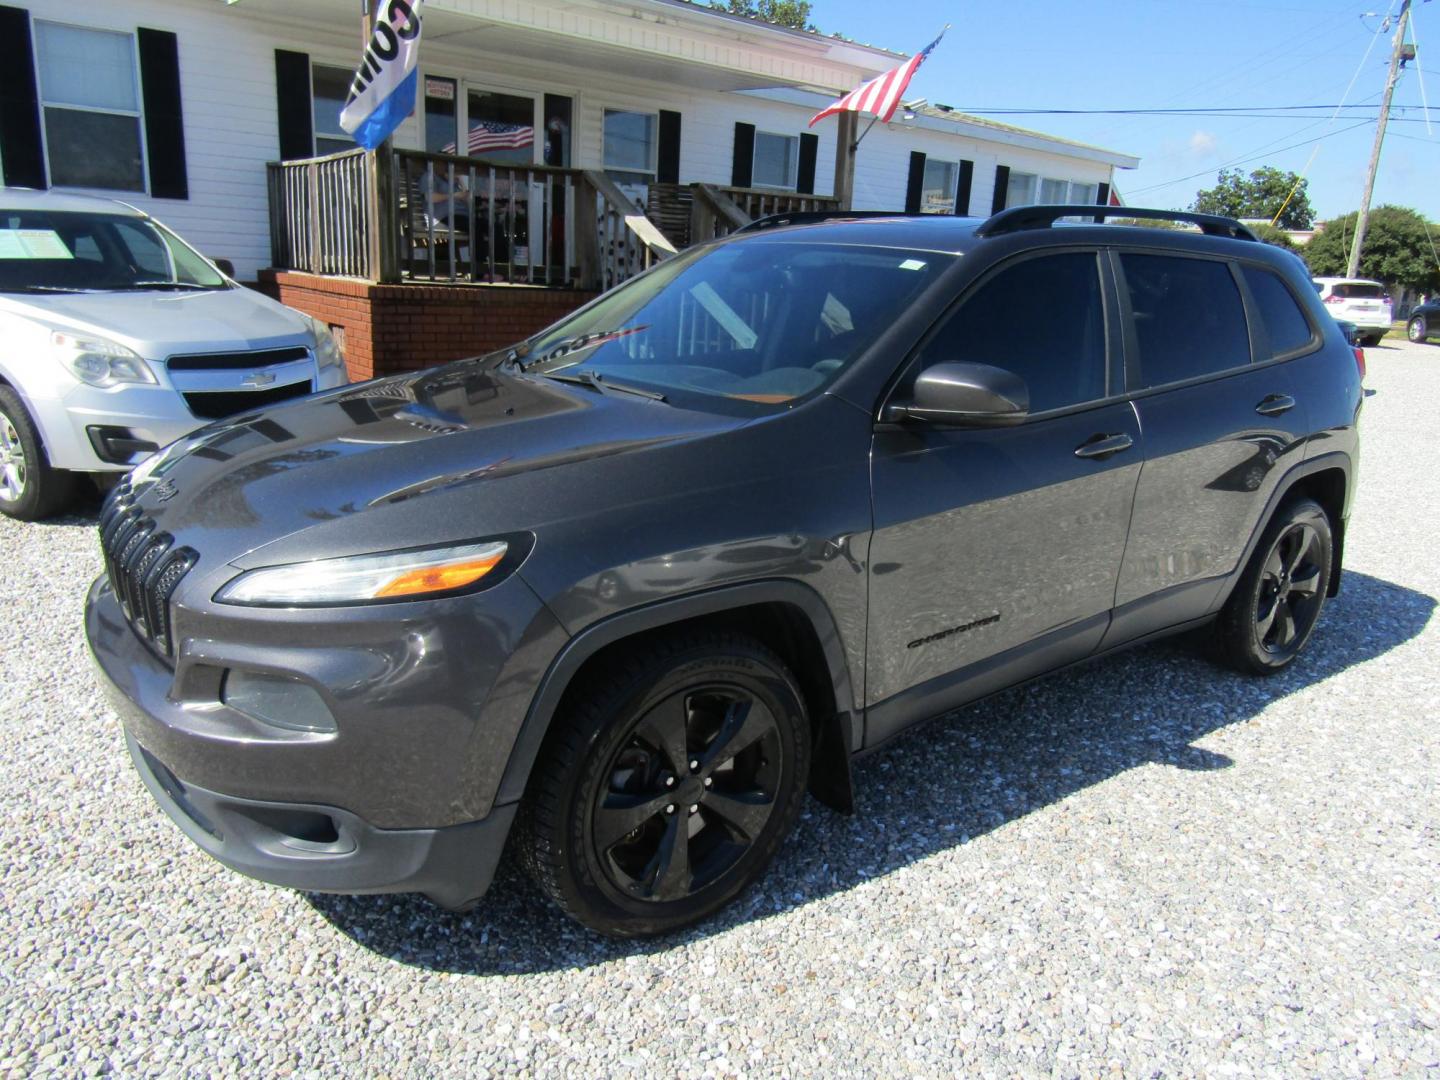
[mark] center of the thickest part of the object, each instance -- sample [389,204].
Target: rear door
[1223,419]
[996,550]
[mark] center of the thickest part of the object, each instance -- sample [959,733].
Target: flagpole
[856,144]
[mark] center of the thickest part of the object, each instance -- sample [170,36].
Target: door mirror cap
[964,395]
[225,266]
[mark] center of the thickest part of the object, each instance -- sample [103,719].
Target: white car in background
[1359,301]
[117,337]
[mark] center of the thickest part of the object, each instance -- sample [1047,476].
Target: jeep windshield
[71,251]
[761,322]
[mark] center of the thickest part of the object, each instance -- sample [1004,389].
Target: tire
[29,488]
[1417,330]
[1270,616]
[608,825]
[1369,341]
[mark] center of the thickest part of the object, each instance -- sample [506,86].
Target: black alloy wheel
[667,785]
[1417,329]
[1274,609]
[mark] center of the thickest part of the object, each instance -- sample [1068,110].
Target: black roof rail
[810,217]
[1019,218]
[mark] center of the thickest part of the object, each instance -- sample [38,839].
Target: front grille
[237,361]
[144,566]
[218,404]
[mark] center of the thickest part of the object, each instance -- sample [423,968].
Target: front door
[996,550]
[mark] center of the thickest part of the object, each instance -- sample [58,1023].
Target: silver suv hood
[157,324]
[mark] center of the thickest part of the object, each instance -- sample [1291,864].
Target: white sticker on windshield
[913,264]
[32,244]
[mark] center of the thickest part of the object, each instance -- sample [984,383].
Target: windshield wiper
[596,381]
[579,343]
[47,288]
[170,285]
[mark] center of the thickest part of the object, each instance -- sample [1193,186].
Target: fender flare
[837,735]
[1335,459]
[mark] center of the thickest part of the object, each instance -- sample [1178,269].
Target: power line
[1197,110]
[1253,157]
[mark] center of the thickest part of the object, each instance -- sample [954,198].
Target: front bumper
[327,849]
[398,799]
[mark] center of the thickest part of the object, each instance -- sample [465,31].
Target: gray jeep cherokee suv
[620,595]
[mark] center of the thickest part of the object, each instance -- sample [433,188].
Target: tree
[1259,195]
[792,13]
[1397,249]
[1272,234]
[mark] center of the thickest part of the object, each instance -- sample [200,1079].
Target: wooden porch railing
[413,216]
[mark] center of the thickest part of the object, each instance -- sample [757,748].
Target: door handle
[1275,404]
[1102,446]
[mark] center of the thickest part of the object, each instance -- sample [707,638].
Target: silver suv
[118,338]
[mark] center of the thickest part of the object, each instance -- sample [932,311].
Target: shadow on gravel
[947,782]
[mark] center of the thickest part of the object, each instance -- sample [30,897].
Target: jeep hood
[451,453]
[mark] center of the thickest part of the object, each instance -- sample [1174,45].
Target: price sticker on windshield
[32,244]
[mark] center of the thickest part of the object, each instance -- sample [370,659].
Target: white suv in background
[117,337]
[1358,301]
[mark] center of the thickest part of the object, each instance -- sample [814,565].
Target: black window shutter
[668,167]
[164,118]
[916,182]
[809,148]
[1002,185]
[742,170]
[292,98]
[1103,198]
[21,151]
[962,189]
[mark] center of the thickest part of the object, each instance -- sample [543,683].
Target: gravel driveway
[1147,865]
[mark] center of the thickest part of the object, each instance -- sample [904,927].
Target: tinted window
[1358,290]
[1189,319]
[1042,319]
[1279,314]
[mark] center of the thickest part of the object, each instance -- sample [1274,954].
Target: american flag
[493,135]
[880,95]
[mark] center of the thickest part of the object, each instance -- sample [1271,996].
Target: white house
[176,106]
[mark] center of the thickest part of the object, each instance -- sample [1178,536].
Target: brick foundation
[386,329]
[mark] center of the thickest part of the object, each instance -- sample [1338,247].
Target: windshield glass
[45,250]
[764,322]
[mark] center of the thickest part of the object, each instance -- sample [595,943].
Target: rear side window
[1189,318]
[1042,319]
[1284,322]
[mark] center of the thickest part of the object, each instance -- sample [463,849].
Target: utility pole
[1396,58]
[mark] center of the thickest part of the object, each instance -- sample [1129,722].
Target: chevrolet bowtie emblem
[165,490]
[258,378]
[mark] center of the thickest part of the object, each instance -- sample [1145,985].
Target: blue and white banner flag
[383,93]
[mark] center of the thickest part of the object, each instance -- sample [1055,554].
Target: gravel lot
[1147,865]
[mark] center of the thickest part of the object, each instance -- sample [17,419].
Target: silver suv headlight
[100,362]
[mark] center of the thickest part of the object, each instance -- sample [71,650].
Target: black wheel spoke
[746,722]
[663,727]
[1266,618]
[1299,545]
[1306,581]
[622,814]
[672,861]
[1285,621]
[746,811]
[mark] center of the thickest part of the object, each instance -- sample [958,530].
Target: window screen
[776,158]
[1042,319]
[1284,322]
[91,107]
[1189,319]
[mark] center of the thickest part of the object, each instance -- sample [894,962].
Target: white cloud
[1203,144]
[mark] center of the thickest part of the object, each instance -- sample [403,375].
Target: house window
[329,87]
[1022,189]
[630,145]
[441,124]
[90,95]
[776,160]
[937,192]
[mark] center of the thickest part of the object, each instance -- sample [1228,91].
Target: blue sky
[1182,54]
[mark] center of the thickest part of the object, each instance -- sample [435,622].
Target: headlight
[99,362]
[361,578]
[327,350]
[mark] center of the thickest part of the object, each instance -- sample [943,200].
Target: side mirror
[225,266]
[964,395]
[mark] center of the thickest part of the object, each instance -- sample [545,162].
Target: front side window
[1285,324]
[759,322]
[91,104]
[50,251]
[630,144]
[1188,315]
[776,160]
[937,191]
[1042,319]
[329,87]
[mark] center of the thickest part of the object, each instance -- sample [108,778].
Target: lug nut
[670,809]
[694,765]
[708,781]
[669,781]
[694,808]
